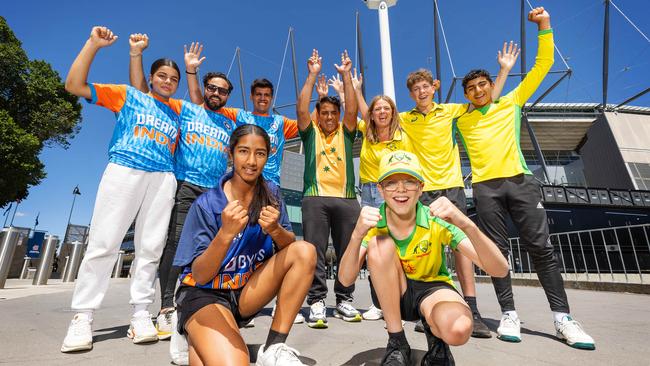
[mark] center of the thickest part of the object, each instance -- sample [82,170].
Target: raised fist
[102,36]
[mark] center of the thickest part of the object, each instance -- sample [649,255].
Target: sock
[274,338]
[471,301]
[512,313]
[400,337]
[558,316]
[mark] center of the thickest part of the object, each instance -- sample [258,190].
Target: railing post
[47,257]
[636,259]
[620,253]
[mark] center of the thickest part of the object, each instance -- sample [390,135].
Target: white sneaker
[278,354]
[178,347]
[142,329]
[373,313]
[344,310]
[80,334]
[164,325]
[571,331]
[317,318]
[509,329]
[298,320]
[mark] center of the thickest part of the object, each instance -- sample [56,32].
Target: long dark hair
[262,195]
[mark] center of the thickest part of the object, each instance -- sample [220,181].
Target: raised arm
[507,59]
[137,44]
[544,59]
[314,65]
[77,80]
[477,246]
[351,110]
[355,254]
[357,82]
[193,60]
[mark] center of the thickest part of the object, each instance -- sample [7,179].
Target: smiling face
[422,94]
[479,91]
[164,81]
[381,114]
[401,193]
[262,98]
[215,94]
[328,117]
[249,156]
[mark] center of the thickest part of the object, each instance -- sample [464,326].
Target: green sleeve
[307,133]
[453,235]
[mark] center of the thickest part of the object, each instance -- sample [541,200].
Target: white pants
[124,194]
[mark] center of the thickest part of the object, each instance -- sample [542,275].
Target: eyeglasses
[213,89]
[407,184]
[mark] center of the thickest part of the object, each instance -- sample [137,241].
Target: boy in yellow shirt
[403,241]
[503,185]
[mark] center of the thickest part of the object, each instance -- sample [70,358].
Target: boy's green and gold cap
[400,161]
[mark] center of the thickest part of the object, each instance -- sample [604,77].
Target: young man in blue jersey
[279,128]
[200,161]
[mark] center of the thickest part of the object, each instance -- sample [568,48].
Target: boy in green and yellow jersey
[430,128]
[329,205]
[404,241]
[503,185]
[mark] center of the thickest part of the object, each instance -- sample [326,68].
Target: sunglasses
[217,89]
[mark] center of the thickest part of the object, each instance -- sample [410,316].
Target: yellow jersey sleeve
[543,63]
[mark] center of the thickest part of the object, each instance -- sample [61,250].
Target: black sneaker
[419,327]
[480,330]
[439,353]
[396,354]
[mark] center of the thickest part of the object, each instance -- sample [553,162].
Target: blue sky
[55,31]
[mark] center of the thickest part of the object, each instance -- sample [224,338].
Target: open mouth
[401,199]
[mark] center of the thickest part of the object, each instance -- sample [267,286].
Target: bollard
[47,257]
[117,271]
[72,267]
[23,271]
[8,241]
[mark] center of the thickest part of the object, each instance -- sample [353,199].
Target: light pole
[384,39]
[75,192]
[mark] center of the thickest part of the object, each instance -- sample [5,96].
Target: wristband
[191,73]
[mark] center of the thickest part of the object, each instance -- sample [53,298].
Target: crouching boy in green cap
[404,243]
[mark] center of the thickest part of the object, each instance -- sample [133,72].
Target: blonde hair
[371,127]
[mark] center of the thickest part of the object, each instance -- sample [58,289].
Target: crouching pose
[238,253]
[404,243]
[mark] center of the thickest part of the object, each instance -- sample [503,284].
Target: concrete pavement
[34,321]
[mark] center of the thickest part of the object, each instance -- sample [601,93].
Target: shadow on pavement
[372,357]
[110,333]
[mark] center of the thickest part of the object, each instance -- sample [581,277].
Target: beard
[215,103]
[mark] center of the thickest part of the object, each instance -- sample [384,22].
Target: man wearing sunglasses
[403,241]
[199,162]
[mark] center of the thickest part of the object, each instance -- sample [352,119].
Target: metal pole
[633,97]
[73,264]
[620,253]
[8,244]
[14,215]
[241,79]
[568,72]
[593,249]
[67,228]
[605,54]
[117,271]
[361,57]
[386,56]
[47,257]
[65,266]
[23,271]
[522,39]
[293,62]
[436,43]
[535,142]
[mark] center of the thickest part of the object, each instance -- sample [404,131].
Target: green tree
[35,111]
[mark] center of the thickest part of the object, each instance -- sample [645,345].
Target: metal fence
[616,254]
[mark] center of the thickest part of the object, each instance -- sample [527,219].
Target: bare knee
[304,253]
[458,331]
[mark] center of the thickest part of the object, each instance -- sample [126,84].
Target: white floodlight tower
[384,39]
